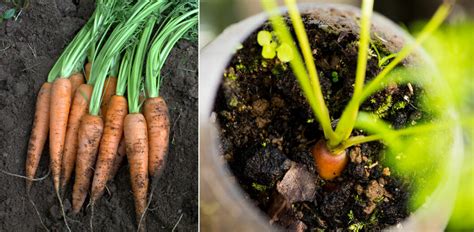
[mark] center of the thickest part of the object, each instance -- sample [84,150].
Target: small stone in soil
[298,226]
[267,165]
[298,184]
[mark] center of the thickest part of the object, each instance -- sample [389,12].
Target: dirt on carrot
[79,108]
[40,40]
[39,133]
[109,144]
[59,113]
[136,143]
[158,123]
[89,134]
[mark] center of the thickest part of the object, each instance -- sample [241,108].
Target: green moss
[335,76]
[383,109]
[399,105]
[259,187]
[230,74]
[233,101]
[240,67]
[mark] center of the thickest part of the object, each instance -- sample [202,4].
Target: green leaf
[285,54]
[268,52]
[8,14]
[264,38]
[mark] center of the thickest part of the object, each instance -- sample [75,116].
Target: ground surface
[268,129]
[28,48]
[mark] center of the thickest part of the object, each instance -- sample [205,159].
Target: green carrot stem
[162,45]
[134,80]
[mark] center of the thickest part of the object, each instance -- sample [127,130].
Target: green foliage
[8,14]
[118,40]
[285,54]
[308,78]
[421,151]
[259,187]
[452,50]
[181,20]
[272,48]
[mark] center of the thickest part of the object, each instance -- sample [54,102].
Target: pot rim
[214,58]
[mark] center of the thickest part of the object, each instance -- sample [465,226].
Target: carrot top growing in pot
[337,140]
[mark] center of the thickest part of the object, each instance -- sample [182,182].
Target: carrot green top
[134,79]
[116,42]
[173,30]
[72,59]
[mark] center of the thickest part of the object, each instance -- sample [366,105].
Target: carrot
[78,110]
[87,70]
[109,91]
[121,152]
[77,79]
[59,113]
[136,142]
[157,118]
[109,144]
[39,133]
[90,132]
[328,165]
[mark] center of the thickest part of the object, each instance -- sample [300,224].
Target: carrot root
[136,141]
[109,144]
[158,123]
[79,108]
[109,91]
[90,132]
[328,165]
[77,79]
[39,133]
[59,113]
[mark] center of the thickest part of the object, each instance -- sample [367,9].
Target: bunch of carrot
[92,125]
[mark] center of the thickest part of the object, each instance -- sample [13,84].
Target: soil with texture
[267,128]
[29,46]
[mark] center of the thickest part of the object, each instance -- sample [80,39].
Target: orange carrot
[79,108]
[157,118]
[109,91]
[59,113]
[118,159]
[109,144]
[87,71]
[90,132]
[136,142]
[77,79]
[328,165]
[39,132]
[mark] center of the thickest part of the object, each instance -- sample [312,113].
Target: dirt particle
[267,165]
[298,184]
[356,156]
[261,122]
[259,107]
[277,102]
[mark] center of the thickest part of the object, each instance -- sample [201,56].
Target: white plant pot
[223,205]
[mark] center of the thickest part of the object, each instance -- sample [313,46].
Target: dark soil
[29,47]
[267,128]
